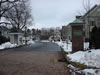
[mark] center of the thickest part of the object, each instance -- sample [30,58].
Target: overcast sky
[56,13]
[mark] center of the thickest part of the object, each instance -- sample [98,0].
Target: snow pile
[30,42]
[86,45]
[75,70]
[66,46]
[7,45]
[91,71]
[90,58]
[61,44]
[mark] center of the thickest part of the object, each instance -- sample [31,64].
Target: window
[92,23]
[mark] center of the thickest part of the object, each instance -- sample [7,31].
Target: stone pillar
[77,36]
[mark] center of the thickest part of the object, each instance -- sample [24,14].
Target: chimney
[78,17]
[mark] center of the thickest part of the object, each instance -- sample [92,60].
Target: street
[40,46]
[40,58]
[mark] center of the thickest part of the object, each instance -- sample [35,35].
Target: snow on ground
[7,45]
[75,70]
[45,41]
[90,58]
[91,71]
[30,42]
[86,45]
[68,46]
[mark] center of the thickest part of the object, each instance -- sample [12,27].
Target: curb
[13,47]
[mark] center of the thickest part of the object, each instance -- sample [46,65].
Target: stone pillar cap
[77,21]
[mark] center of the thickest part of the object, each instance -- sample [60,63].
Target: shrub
[95,38]
[3,39]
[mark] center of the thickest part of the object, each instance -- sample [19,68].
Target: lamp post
[25,35]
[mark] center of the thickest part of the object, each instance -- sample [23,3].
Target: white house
[27,38]
[57,34]
[91,19]
[16,38]
[66,32]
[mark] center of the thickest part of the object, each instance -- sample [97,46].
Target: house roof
[88,12]
[79,21]
[76,22]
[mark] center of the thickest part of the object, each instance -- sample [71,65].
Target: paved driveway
[33,61]
[40,46]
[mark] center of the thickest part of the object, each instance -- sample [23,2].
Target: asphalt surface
[40,46]
[41,58]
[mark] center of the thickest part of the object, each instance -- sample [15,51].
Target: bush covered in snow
[95,38]
[7,45]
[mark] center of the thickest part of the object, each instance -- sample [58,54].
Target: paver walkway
[32,63]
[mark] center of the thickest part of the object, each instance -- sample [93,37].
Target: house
[36,34]
[91,19]
[4,31]
[16,38]
[63,33]
[19,37]
[36,37]
[66,32]
[57,34]
[27,37]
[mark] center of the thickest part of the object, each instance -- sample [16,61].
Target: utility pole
[25,35]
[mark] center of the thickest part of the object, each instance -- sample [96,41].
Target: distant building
[36,34]
[57,34]
[63,33]
[66,33]
[27,37]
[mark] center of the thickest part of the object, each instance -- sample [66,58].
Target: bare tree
[20,15]
[5,5]
[86,4]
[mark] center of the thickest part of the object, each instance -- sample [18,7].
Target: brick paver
[32,63]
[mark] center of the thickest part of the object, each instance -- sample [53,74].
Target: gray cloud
[52,13]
